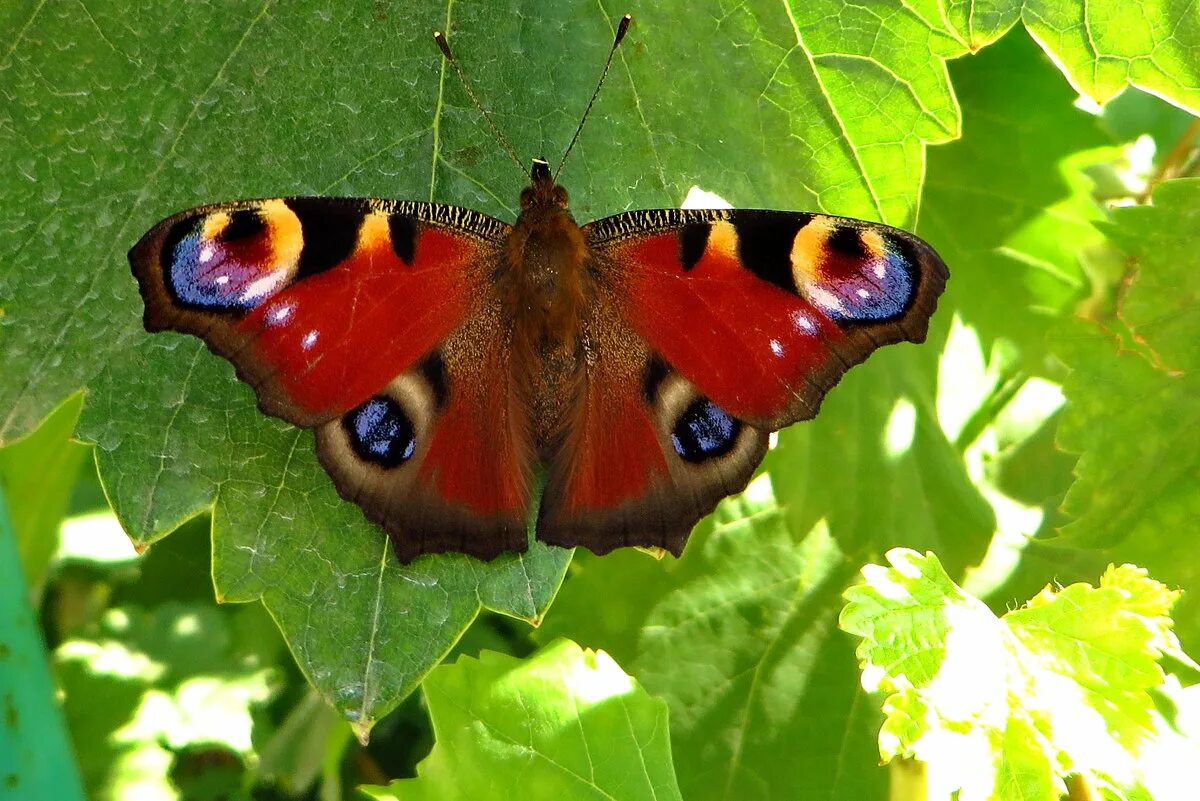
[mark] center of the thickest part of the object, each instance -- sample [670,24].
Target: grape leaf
[112,124]
[1005,708]
[562,723]
[1101,46]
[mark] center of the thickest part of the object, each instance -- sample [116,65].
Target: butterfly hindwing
[376,323]
[646,455]
[441,457]
[733,323]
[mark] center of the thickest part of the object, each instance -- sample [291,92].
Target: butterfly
[448,361]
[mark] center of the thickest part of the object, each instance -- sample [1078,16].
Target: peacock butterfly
[442,355]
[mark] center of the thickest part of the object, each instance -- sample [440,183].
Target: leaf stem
[1167,167]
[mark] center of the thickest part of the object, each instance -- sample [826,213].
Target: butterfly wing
[740,321]
[375,323]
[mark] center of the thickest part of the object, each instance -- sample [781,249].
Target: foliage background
[1045,430]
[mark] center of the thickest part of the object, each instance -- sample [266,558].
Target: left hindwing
[711,329]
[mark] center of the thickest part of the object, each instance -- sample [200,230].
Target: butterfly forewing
[765,310]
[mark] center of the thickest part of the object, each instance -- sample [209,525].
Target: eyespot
[231,261]
[704,431]
[381,433]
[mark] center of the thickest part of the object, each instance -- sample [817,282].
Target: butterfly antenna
[440,38]
[622,27]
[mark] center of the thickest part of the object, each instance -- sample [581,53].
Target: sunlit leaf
[563,723]
[1006,708]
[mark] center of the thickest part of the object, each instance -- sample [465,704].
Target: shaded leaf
[1008,205]
[563,723]
[150,686]
[37,474]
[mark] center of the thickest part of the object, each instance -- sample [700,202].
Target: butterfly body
[441,356]
[544,287]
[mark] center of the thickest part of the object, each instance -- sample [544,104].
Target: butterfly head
[542,192]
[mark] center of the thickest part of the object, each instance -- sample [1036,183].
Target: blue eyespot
[231,271]
[381,433]
[704,431]
[882,291]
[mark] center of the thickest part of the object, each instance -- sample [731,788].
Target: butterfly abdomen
[544,290]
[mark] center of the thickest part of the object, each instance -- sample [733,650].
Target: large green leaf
[563,723]
[1133,413]
[739,637]
[116,118]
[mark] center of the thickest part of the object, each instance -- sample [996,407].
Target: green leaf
[739,638]
[1132,412]
[1102,47]
[563,723]
[37,474]
[1006,708]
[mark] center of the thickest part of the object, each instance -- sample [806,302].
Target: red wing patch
[318,302]
[764,311]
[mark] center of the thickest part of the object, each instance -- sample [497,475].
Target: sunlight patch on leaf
[95,537]
[1001,706]
[900,427]
[564,723]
